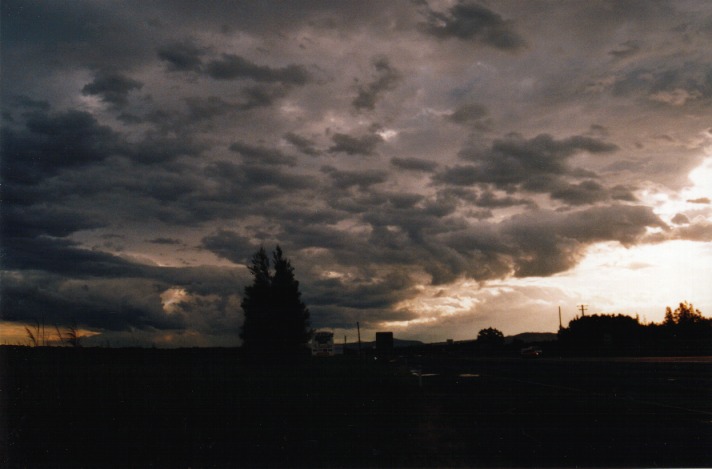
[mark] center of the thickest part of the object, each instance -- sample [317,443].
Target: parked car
[531,352]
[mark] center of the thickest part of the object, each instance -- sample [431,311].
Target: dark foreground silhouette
[66,407]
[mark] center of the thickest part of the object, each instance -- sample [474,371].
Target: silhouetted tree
[490,338]
[685,331]
[291,310]
[255,302]
[276,319]
[602,333]
[685,314]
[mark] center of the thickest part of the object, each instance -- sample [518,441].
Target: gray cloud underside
[386,78]
[469,21]
[384,146]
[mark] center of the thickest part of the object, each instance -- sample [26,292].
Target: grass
[202,408]
[84,407]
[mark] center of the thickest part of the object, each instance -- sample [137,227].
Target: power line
[582,308]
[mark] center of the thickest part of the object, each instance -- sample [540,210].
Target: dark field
[208,408]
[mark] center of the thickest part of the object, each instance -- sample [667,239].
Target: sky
[431,168]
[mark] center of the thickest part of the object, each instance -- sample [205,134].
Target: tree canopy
[683,331]
[490,337]
[684,314]
[276,319]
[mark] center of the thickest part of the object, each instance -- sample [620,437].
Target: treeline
[684,331]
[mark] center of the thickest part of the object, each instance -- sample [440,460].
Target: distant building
[323,344]
[384,343]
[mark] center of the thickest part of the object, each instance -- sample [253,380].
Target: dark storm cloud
[543,242]
[363,179]
[56,280]
[40,219]
[51,142]
[124,188]
[38,298]
[64,257]
[263,176]
[364,145]
[262,155]
[347,317]
[166,241]
[674,84]
[549,244]
[182,56]
[238,179]
[543,152]
[83,33]
[321,236]
[468,114]
[459,175]
[309,209]
[700,200]
[124,302]
[489,199]
[414,164]
[158,148]
[261,95]
[407,230]
[234,67]
[213,121]
[112,87]
[623,193]
[583,193]
[204,108]
[65,152]
[27,103]
[211,107]
[361,293]
[469,21]
[302,144]
[403,200]
[428,217]
[386,78]
[537,164]
[229,245]
[370,294]
[623,223]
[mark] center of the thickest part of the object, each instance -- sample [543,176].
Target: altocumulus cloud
[397,152]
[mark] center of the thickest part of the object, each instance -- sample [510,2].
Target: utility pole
[583,309]
[358,330]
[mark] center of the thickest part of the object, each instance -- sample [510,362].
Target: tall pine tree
[276,319]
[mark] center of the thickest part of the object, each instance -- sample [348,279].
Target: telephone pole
[358,329]
[583,308]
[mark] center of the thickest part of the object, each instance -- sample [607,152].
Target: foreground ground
[208,408]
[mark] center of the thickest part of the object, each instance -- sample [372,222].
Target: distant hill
[524,337]
[397,343]
[529,337]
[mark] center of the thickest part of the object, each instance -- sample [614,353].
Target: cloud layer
[393,150]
